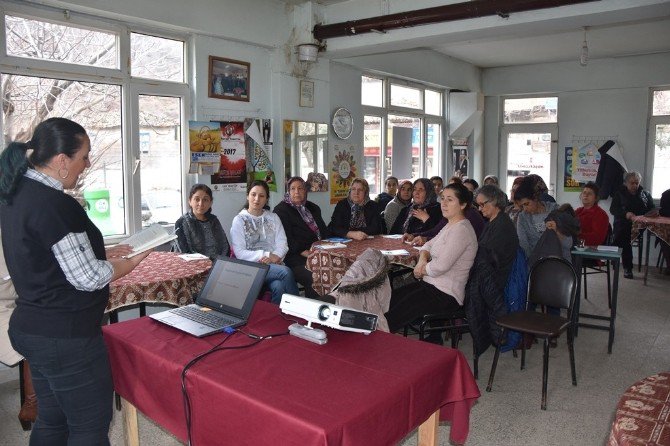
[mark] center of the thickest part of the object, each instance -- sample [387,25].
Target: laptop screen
[233,286]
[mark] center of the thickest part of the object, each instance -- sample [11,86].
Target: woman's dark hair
[431,196]
[494,195]
[455,180]
[594,187]
[530,188]
[462,193]
[389,179]
[50,138]
[265,186]
[474,183]
[203,187]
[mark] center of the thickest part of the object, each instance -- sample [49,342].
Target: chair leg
[496,355]
[475,365]
[609,286]
[545,372]
[523,356]
[571,349]
[586,295]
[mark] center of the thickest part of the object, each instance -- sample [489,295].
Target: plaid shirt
[74,252]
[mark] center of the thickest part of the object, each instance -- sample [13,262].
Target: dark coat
[622,202]
[610,171]
[339,222]
[300,237]
[416,226]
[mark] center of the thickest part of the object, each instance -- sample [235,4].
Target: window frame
[131,89]
[652,122]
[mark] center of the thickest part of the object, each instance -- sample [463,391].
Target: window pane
[372,143]
[35,39]
[661,176]
[97,107]
[160,155]
[404,139]
[433,102]
[306,128]
[528,153]
[433,149]
[531,110]
[306,157]
[661,103]
[372,91]
[406,96]
[156,58]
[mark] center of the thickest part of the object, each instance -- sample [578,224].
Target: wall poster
[232,173]
[581,166]
[205,147]
[343,171]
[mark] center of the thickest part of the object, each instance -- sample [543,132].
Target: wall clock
[343,123]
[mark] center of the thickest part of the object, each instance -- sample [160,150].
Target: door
[530,149]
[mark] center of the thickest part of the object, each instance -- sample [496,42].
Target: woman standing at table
[199,230]
[403,198]
[629,201]
[443,266]
[303,225]
[424,212]
[593,220]
[258,236]
[356,216]
[61,275]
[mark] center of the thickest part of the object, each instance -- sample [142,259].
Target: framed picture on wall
[229,79]
[306,93]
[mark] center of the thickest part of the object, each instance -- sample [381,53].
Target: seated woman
[199,230]
[499,235]
[356,216]
[443,266]
[630,200]
[593,220]
[303,226]
[258,236]
[423,214]
[530,223]
[403,198]
[385,197]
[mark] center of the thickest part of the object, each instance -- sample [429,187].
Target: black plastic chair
[594,268]
[552,282]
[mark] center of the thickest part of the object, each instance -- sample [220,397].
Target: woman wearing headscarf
[356,216]
[423,214]
[303,226]
[534,209]
[403,198]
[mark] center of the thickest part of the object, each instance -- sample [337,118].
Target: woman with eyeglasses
[423,214]
[499,235]
[530,223]
[356,216]
[403,198]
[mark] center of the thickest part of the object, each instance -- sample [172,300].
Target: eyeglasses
[481,205]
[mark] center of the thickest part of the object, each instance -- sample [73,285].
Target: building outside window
[659,139]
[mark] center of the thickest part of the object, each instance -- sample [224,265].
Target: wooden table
[614,257]
[162,277]
[659,226]
[643,414]
[354,390]
[329,265]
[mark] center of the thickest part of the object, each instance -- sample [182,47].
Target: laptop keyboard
[207,318]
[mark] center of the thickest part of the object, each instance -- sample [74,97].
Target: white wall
[609,97]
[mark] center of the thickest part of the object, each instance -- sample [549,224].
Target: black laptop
[226,300]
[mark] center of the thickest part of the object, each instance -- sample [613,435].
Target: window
[660,138]
[312,137]
[134,126]
[531,110]
[403,139]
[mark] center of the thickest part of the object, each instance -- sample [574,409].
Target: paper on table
[395,252]
[337,240]
[607,248]
[331,246]
[150,237]
[194,256]
[396,236]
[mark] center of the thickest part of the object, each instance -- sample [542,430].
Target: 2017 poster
[581,166]
[343,172]
[232,175]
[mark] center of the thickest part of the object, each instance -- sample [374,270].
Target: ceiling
[616,28]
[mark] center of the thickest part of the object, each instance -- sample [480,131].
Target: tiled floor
[510,414]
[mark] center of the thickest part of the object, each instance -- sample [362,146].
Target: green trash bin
[97,208]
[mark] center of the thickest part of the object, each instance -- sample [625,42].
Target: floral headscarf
[305,214]
[431,198]
[357,215]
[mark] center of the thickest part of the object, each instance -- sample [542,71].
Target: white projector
[330,315]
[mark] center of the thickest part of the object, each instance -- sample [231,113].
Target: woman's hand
[420,270]
[357,235]
[551,225]
[305,253]
[407,237]
[419,241]
[274,258]
[630,216]
[421,214]
[118,251]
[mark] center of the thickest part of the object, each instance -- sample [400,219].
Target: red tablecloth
[658,225]
[643,413]
[354,390]
[162,277]
[329,265]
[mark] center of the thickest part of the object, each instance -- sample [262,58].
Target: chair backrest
[552,282]
[609,238]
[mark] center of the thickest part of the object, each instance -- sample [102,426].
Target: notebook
[226,300]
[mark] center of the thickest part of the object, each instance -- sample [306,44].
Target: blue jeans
[73,383]
[280,280]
